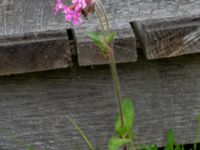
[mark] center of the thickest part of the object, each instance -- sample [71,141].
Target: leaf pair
[102,40]
[123,133]
[128,117]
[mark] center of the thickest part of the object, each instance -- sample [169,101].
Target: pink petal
[59,5]
[74,1]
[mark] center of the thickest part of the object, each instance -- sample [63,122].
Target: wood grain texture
[165,94]
[34,52]
[169,37]
[24,16]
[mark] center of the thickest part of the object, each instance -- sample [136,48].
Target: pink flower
[80,4]
[73,13]
[59,6]
[72,16]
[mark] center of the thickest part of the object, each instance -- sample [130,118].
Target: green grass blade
[84,137]
[197,132]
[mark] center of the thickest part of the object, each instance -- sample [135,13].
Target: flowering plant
[75,14]
[125,135]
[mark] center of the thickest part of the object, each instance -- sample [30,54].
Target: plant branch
[84,137]
[115,81]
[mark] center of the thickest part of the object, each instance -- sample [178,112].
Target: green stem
[197,132]
[84,137]
[116,81]
[105,15]
[101,23]
[111,58]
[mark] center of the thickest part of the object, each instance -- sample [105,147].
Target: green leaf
[116,143]
[155,147]
[170,140]
[182,147]
[111,37]
[148,147]
[98,39]
[29,148]
[170,137]
[128,117]
[178,147]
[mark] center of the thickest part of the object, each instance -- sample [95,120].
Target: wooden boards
[169,37]
[30,16]
[165,94]
[34,52]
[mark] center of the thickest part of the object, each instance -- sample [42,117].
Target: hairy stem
[113,67]
[105,15]
[100,21]
[116,81]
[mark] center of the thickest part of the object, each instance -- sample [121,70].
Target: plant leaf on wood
[115,143]
[128,115]
[170,141]
[102,41]
[98,39]
[111,37]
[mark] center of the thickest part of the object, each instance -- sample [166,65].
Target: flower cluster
[74,12]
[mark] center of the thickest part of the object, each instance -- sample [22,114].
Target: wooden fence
[75,79]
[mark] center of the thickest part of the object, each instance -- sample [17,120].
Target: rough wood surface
[165,94]
[22,16]
[169,37]
[34,52]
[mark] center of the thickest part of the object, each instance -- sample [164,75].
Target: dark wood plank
[169,37]
[34,52]
[165,94]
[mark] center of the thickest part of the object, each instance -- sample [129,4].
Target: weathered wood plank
[165,93]
[34,52]
[22,16]
[169,37]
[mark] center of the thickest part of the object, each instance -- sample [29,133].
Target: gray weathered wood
[169,37]
[34,52]
[165,94]
[22,16]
